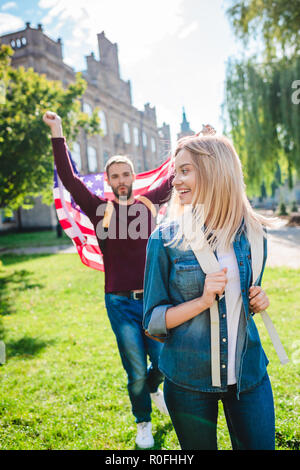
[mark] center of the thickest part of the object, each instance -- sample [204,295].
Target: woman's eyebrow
[184,164]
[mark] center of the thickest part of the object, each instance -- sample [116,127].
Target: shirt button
[224,316]
[223,366]
[224,340]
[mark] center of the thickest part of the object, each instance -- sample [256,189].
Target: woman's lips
[182,192]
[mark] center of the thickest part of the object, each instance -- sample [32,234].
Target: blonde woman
[179,298]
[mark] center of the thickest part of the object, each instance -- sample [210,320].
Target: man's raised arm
[87,201]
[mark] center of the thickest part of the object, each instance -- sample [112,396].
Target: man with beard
[122,227]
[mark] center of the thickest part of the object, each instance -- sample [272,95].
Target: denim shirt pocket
[189,277]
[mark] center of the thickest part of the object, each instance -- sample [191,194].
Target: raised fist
[51,119]
[54,122]
[208,130]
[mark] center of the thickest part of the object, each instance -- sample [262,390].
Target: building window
[153,145]
[6,217]
[92,159]
[144,139]
[139,165]
[105,157]
[76,155]
[136,136]
[18,42]
[126,133]
[103,124]
[87,108]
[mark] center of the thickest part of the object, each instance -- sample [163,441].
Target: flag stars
[89,184]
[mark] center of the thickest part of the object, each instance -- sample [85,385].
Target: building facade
[125,129]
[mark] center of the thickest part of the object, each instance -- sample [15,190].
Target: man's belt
[130,294]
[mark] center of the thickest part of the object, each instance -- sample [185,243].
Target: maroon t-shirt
[130,227]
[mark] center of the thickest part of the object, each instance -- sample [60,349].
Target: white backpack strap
[110,208]
[209,264]
[149,204]
[275,338]
[107,214]
[257,257]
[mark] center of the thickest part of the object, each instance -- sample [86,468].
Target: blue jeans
[126,316]
[250,419]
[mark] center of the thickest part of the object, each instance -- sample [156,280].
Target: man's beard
[123,196]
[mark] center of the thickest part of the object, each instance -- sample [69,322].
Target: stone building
[125,129]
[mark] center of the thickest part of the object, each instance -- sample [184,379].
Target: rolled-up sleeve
[156,287]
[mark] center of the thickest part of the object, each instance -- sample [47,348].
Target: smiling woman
[209,173]
[200,289]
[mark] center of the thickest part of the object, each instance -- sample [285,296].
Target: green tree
[26,161]
[262,120]
[262,102]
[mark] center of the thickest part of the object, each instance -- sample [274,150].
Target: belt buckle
[135,295]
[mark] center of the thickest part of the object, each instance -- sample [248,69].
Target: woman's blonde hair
[220,191]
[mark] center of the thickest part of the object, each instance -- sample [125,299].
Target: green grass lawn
[37,238]
[63,386]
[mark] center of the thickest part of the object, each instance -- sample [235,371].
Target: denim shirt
[173,276]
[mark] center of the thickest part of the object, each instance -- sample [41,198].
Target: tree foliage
[262,98]
[264,121]
[277,22]
[26,161]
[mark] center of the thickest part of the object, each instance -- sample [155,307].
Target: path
[283,247]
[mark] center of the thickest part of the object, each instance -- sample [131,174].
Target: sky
[174,52]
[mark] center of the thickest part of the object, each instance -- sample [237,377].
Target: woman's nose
[176,180]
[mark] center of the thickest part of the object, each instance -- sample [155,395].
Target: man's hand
[258,299]
[208,130]
[54,122]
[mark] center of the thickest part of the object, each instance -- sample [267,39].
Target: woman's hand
[258,299]
[215,284]
[54,122]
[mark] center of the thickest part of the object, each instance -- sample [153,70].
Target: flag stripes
[75,222]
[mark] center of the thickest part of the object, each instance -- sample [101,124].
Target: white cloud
[188,30]
[9,23]
[8,6]
[134,25]
[173,51]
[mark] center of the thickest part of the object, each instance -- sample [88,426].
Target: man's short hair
[118,159]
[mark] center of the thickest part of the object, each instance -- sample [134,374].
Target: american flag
[75,222]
